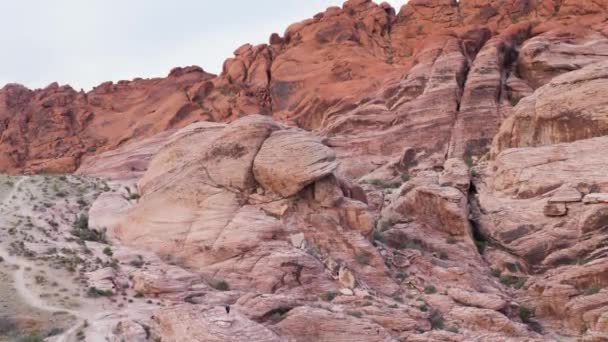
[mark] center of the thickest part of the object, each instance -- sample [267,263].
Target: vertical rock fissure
[507,68]
[558,6]
[461,80]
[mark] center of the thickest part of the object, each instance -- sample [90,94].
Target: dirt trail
[25,293]
[19,265]
[18,275]
[46,274]
[11,193]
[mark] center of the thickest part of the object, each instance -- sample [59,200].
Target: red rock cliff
[438,74]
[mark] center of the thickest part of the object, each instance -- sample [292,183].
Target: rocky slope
[435,173]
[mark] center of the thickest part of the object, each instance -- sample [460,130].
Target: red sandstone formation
[436,68]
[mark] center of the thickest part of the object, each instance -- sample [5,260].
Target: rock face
[51,129]
[197,323]
[559,112]
[366,74]
[215,194]
[436,173]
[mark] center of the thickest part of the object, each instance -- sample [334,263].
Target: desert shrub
[496,272]
[7,325]
[328,296]
[481,245]
[469,161]
[220,285]
[139,262]
[363,257]
[591,290]
[513,281]
[525,313]
[95,292]
[357,314]
[108,251]
[82,222]
[384,184]
[378,235]
[81,230]
[54,332]
[430,289]
[405,243]
[436,320]
[30,337]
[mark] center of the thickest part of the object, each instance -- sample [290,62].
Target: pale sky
[86,42]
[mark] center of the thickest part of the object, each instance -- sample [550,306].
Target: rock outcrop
[569,108]
[429,174]
[366,74]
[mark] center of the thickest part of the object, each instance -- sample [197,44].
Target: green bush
[7,325]
[31,337]
[481,246]
[436,320]
[384,184]
[54,332]
[513,281]
[221,285]
[378,235]
[525,313]
[363,257]
[469,161]
[514,100]
[82,222]
[496,272]
[95,292]
[137,263]
[81,230]
[357,314]
[431,289]
[328,296]
[591,290]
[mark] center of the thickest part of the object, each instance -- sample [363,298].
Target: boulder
[456,175]
[277,169]
[443,208]
[477,299]
[190,323]
[307,323]
[553,209]
[596,198]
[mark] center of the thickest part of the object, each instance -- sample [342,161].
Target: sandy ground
[44,268]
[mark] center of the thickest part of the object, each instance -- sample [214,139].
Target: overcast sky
[86,42]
